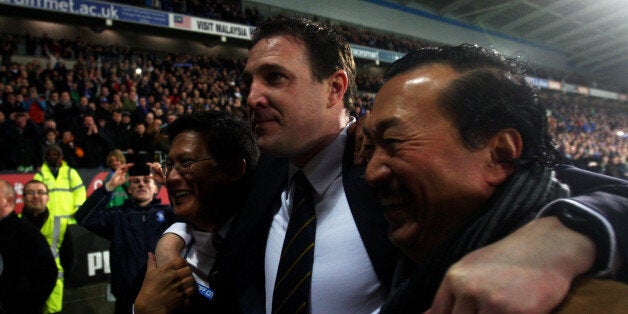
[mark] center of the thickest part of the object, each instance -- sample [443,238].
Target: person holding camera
[133,228]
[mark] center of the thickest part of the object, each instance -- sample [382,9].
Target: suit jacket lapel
[249,235]
[369,217]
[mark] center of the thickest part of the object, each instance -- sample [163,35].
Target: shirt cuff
[586,221]
[181,229]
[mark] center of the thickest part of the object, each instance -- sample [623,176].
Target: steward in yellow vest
[65,187]
[53,227]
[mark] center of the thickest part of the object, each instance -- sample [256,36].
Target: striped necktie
[294,275]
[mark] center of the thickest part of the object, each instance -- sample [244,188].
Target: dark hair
[35,181]
[490,94]
[53,147]
[227,137]
[327,51]
[49,130]
[20,114]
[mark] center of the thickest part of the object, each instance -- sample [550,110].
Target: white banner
[214,27]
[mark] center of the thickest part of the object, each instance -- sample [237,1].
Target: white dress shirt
[199,250]
[343,279]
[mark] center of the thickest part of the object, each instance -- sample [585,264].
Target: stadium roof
[593,34]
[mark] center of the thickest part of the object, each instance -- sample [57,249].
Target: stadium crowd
[50,103]
[590,134]
[104,102]
[115,99]
[234,11]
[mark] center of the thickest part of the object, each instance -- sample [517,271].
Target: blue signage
[370,53]
[96,9]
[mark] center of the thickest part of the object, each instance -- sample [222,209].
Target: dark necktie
[294,275]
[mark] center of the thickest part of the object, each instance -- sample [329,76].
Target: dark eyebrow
[271,67]
[367,133]
[267,67]
[381,126]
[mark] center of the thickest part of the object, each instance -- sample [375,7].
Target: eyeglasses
[33,193]
[182,168]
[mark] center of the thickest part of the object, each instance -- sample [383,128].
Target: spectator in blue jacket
[133,229]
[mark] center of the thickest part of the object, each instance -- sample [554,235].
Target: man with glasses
[208,172]
[300,75]
[133,228]
[27,272]
[53,227]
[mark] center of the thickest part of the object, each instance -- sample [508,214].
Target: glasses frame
[182,168]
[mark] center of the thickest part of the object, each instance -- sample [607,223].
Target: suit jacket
[240,267]
[606,196]
[603,195]
[29,272]
[239,270]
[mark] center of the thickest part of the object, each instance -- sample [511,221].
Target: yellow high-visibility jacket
[54,231]
[66,191]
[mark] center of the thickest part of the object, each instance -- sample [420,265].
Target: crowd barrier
[91,258]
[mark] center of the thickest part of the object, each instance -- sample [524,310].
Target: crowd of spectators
[234,11]
[121,98]
[590,132]
[106,100]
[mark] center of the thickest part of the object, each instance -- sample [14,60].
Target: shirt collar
[207,238]
[326,166]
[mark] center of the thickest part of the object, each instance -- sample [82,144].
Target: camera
[140,169]
[139,166]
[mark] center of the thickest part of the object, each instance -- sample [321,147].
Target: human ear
[338,83]
[505,147]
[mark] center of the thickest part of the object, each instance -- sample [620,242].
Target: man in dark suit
[301,78]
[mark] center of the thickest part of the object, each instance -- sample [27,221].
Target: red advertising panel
[92,179]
